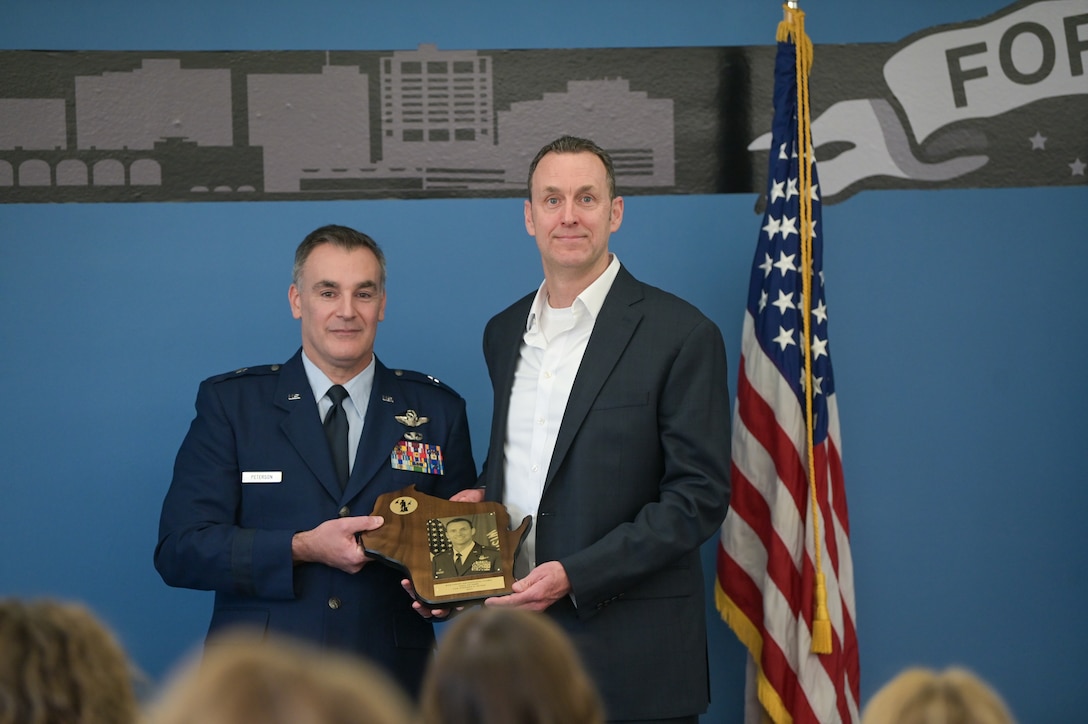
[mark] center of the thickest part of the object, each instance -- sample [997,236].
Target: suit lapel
[612,332]
[302,425]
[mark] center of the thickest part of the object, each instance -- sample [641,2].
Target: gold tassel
[821,622]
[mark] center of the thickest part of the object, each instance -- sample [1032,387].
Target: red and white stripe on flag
[766,578]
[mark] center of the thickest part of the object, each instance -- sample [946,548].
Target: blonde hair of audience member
[60,663]
[923,696]
[244,678]
[507,666]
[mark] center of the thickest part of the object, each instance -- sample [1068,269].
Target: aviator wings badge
[411,419]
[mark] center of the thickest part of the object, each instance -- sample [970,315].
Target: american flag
[770,540]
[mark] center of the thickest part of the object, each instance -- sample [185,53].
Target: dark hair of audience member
[924,696]
[246,678]
[507,666]
[59,663]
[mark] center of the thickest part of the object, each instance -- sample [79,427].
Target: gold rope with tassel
[793,26]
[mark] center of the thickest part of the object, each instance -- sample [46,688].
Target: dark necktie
[336,430]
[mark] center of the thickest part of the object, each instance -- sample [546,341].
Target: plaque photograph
[452,552]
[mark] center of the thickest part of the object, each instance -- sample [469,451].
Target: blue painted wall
[959,331]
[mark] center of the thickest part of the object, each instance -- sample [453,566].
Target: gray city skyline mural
[988,103]
[119,126]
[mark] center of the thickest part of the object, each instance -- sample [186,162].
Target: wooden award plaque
[422,535]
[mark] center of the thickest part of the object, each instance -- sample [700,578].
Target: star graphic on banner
[819,347]
[1078,167]
[820,312]
[791,189]
[1038,142]
[763,300]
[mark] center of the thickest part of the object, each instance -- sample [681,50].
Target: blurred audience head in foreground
[924,696]
[507,666]
[246,678]
[60,663]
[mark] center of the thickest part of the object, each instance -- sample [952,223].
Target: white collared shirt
[355,404]
[551,352]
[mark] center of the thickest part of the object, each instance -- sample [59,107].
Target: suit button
[344,512]
[334,603]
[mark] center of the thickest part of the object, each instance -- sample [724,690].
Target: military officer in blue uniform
[257,511]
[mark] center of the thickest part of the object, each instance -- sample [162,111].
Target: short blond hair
[924,696]
[244,677]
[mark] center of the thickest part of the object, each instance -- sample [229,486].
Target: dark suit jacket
[218,533]
[638,481]
[481,559]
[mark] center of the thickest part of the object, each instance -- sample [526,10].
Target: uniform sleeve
[200,545]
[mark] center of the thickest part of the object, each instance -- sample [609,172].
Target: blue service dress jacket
[638,480]
[255,468]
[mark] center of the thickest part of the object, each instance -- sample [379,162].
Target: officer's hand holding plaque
[452,552]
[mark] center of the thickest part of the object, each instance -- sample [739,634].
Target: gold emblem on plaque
[404,505]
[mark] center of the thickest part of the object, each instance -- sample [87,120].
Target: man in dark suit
[261,512]
[465,556]
[611,428]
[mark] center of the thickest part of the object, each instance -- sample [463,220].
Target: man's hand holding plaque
[452,552]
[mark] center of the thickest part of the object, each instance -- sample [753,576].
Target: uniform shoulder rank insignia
[428,380]
[247,372]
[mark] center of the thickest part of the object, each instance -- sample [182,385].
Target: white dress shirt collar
[355,405]
[591,299]
[358,387]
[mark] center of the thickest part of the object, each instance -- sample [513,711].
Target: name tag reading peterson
[270,476]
